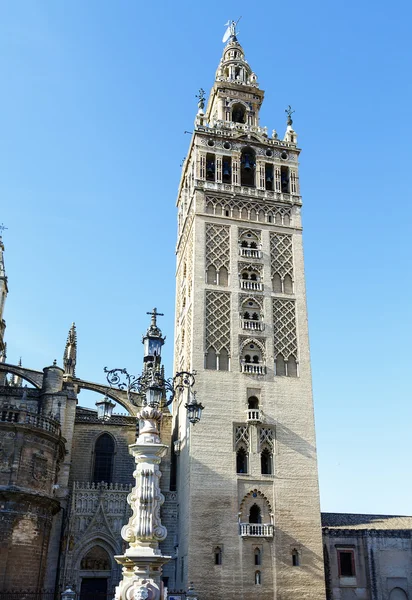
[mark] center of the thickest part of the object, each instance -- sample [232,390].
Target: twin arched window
[103,459]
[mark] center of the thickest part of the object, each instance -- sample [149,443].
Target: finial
[2,228]
[70,352]
[155,314]
[55,363]
[289,113]
[231,31]
[19,364]
[201,96]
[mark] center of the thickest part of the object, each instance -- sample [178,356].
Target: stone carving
[217,246]
[39,468]
[284,325]
[266,438]
[6,450]
[218,320]
[242,437]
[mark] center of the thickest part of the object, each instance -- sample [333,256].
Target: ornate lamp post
[142,561]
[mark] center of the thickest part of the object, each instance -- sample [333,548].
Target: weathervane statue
[231,30]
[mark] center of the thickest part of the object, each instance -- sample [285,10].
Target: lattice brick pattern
[284,326]
[217,246]
[218,320]
[242,436]
[266,437]
[281,254]
[238,208]
[256,232]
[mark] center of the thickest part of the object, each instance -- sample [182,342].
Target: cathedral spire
[70,352]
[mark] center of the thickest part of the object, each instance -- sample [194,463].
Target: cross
[2,228]
[155,314]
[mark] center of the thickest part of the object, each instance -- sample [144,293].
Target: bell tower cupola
[235,96]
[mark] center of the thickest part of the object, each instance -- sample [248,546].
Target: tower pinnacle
[70,352]
[3,293]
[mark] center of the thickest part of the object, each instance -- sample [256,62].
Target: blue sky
[95,98]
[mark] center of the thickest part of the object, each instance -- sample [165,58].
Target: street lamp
[142,560]
[105,408]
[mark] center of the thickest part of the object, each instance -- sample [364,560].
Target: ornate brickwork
[217,246]
[284,325]
[218,320]
[281,255]
[266,438]
[242,438]
[240,208]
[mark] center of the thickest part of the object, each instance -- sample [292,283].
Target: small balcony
[253,415]
[256,530]
[252,325]
[250,252]
[247,284]
[253,368]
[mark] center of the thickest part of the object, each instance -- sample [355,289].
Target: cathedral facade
[241,499]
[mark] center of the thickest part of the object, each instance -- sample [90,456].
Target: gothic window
[287,284]
[227,170]
[266,462]
[103,459]
[217,254]
[284,180]
[97,559]
[258,578]
[241,461]
[218,555]
[247,167]
[295,558]
[281,262]
[255,515]
[210,167]
[246,315]
[238,111]
[269,177]
[211,359]
[258,557]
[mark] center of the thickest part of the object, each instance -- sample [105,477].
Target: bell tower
[246,476]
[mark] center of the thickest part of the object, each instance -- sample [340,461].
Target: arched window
[218,555]
[238,112]
[277,283]
[255,359]
[211,274]
[253,403]
[241,461]
[295,558]
[103,459]
[258,578]
[224,360]
[223,276]
[287,285]
[246,315]
[280,365]
[210,167]
[211,362]
[247,358]
[247,167]
[255,515]
[258,557]
[292,367]
[398,594]
[266,462]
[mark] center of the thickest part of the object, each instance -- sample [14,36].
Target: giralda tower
[247,480]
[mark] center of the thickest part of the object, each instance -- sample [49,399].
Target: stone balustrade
[253,414]
[253,368]
[252,325]
[21,416]
[250,253]
[256,530]
[255,286]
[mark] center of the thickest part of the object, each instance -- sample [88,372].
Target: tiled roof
[355,521]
